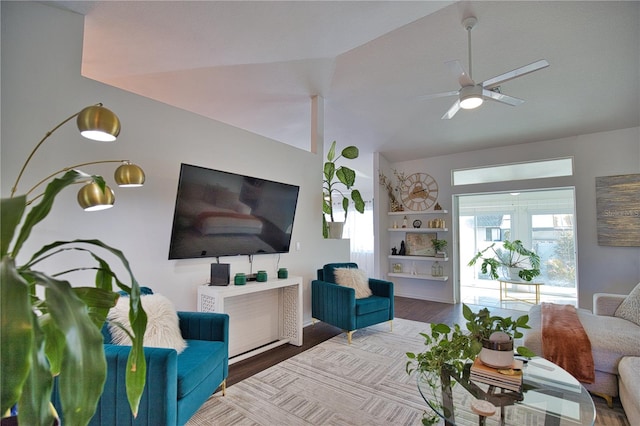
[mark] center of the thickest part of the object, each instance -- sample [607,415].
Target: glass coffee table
[550,396]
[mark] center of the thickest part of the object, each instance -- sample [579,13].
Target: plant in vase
[451,349]
[395,205]
[334,177]
[495,335]
[512,257]
[439,246]
[49,328]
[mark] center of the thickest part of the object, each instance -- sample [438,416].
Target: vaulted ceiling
[256,65]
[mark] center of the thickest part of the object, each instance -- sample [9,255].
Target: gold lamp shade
[91,198]
[129,175]
[98,123]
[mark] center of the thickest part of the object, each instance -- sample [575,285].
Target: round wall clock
[419,191]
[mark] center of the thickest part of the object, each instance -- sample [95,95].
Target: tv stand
[262,315]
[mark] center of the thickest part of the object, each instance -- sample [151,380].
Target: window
[493,234]
[543,220]
[516,171]
[358,228]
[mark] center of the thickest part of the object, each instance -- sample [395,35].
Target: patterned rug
[335,383]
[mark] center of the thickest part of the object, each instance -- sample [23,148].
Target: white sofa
[629,369]
[615,344]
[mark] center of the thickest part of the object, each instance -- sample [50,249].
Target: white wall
[600,268]
[42,85]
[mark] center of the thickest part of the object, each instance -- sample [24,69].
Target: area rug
[335,383]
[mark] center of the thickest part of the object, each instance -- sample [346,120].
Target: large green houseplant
[512,256]
[452,348]
[52,329]
[336,180]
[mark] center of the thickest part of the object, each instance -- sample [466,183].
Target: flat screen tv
[219,213]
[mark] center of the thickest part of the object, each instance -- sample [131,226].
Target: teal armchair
[337,305]
[177,384]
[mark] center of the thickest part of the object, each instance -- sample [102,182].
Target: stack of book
[506,378]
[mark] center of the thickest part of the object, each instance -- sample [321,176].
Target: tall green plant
[335,177]
[58,334]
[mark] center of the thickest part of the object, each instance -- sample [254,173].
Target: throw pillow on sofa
[354,278]
[163,330]
[629,309]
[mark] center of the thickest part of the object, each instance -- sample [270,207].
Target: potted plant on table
[335,177]
[452,348]
[49,328]
[512,257]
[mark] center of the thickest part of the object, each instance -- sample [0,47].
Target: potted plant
[335,177]
[439,246]
[513,257]
[452,348]
[51,329]
[496,335]
[456,346]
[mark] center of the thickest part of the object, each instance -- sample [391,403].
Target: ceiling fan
[472,95]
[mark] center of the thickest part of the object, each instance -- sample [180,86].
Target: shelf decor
[394,204]
[419,191]
[420,244]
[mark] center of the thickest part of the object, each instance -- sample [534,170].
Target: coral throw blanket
[565,343]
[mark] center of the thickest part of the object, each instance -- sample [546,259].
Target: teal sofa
[337,305]
[177,385]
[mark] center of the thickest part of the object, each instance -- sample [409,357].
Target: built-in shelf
[424,230]
[397,233]
[417,276]
[412,213]
[398,257]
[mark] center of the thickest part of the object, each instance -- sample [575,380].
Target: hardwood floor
[412,309]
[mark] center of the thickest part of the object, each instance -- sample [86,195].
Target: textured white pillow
[354,278]
[629,309]
[163,330]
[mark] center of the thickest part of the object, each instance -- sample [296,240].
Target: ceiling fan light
[471,97]
[98,123]
[471,102]
[91,198]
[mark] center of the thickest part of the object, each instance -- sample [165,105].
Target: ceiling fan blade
[518,72]
[452,111]
[505,99]
[463,77]
[439,95]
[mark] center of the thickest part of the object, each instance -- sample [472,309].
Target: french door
[544,220]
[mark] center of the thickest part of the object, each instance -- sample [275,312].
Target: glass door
[542,219]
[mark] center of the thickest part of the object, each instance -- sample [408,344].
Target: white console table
[262,315]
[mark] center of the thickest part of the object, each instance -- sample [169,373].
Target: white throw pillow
[629,309]
[354,278]
[163,330]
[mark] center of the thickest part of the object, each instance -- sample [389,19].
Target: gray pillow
[629,309]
